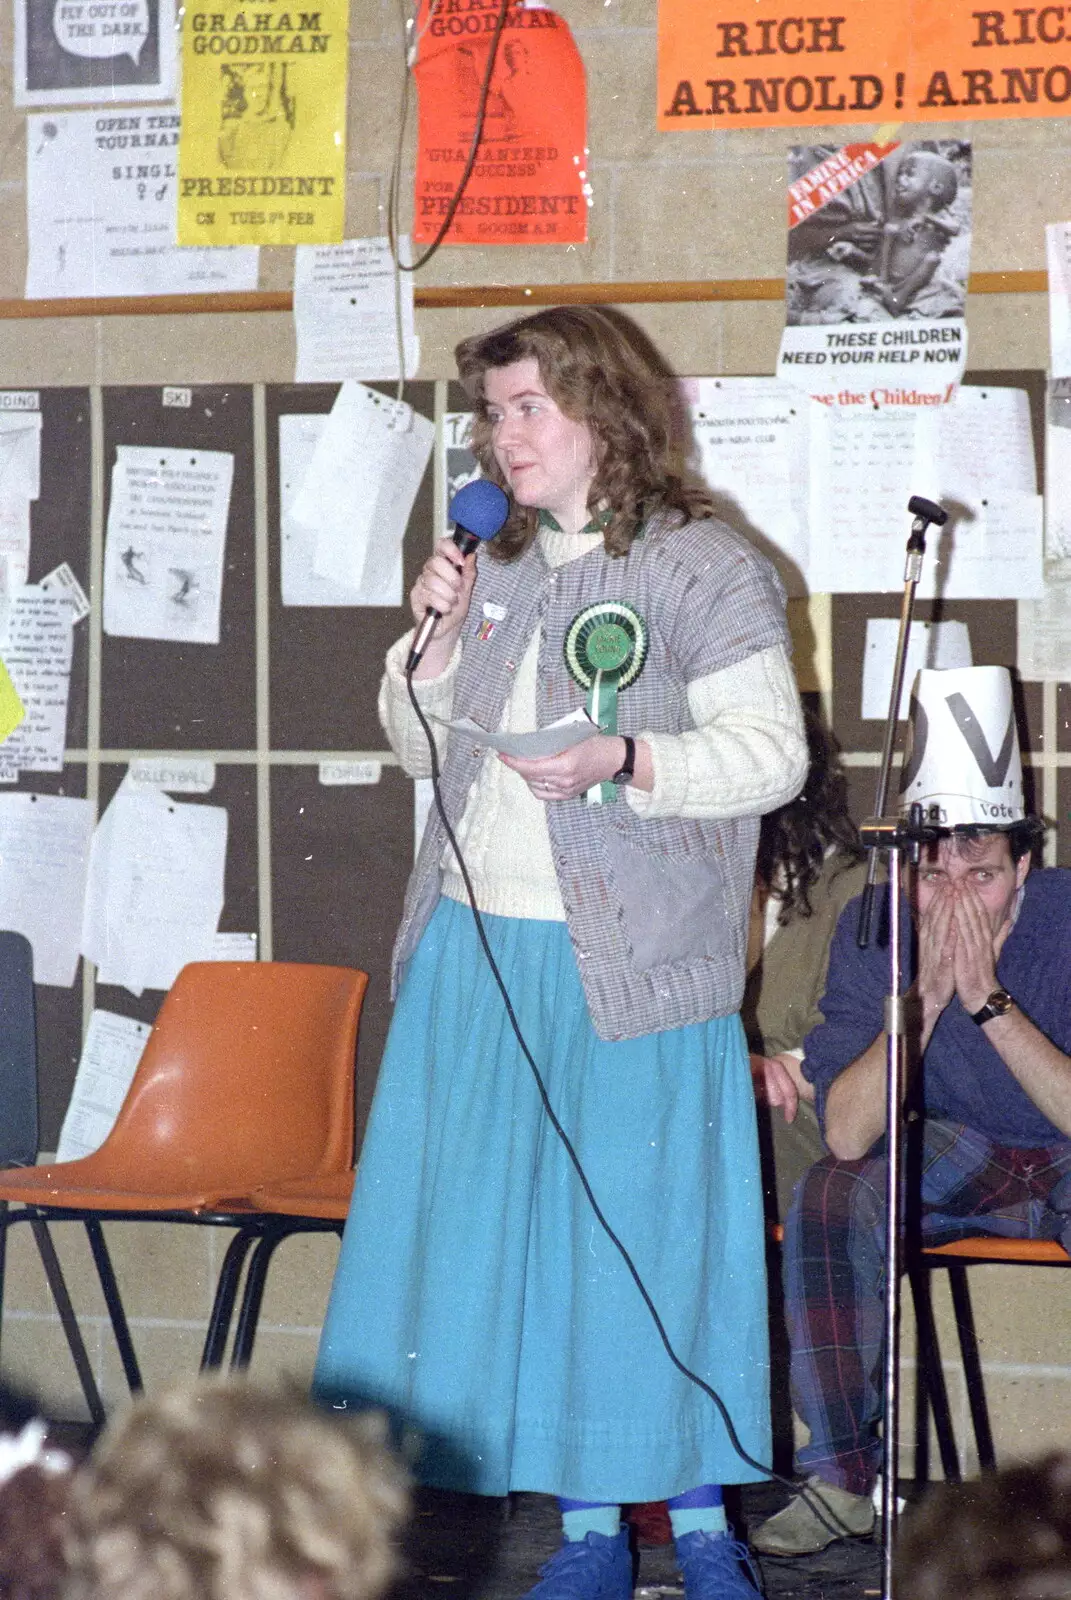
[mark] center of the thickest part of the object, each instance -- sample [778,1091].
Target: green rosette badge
[605,648]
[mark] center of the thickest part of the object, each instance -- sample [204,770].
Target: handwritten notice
[358,491]
[163,556]
[100,205]
[351,308]
[155,891]
[751,438]
[36,650]
[110,1054]
[44,859]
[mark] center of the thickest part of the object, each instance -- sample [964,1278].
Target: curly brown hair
[602,370]
[219,1490]
[794,839]
[1005,1537]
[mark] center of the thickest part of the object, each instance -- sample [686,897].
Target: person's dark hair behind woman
[795,839]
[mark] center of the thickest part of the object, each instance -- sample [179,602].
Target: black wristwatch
[627,769]
[999,1004]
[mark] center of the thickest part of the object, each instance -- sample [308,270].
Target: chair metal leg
[112,1299]
[219,1323]
[252,1298]
[931,1374]
[972,1364]
[56,1282]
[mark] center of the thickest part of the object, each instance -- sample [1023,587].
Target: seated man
[989,1029]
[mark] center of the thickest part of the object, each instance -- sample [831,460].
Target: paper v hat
[962,760]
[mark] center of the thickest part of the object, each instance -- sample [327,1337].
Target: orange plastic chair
[246,1079]
[956,1257]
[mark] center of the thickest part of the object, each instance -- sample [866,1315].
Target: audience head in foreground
[1005,1537]
[223,1491]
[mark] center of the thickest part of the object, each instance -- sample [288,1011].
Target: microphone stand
[896,838]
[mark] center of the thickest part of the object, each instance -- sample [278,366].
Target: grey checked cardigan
[657,909]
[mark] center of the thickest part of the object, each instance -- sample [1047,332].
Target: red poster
[529,183]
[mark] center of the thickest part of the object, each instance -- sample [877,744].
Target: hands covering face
[958,948]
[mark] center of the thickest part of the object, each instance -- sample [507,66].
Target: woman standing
[476,1295]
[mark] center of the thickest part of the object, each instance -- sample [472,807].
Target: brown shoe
[814,1520]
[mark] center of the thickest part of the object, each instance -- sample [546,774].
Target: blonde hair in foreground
[224,1491]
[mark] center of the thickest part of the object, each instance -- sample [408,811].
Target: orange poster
[761,64]
[529,183]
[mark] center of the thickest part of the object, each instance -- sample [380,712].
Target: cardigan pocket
[673,902]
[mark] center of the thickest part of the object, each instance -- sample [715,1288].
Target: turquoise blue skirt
[476,1296]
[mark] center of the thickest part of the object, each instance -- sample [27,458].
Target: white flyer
[751,441]
[301,584]
[929,644]
[155,891]
[350,307]
[111,1051]
[359,489]
[36,648]
[44,859]
[1058,261]
[1044,644]
[163,554]
[101,211]
[1058,470]
[552,740]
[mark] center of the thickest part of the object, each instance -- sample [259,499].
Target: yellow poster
[262,155]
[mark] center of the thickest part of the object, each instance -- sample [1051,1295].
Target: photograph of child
[894,244]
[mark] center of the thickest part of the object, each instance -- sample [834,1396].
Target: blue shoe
[596,1567]
[713,1567]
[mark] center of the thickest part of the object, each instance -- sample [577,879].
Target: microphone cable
[795,1485]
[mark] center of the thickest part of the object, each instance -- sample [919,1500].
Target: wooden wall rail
[440,299]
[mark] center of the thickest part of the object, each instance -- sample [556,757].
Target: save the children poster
[529,181]
[879,243]
[262,159]
[748,64]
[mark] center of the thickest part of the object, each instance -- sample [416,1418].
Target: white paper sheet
[345,314]
[155,890]
[301,584]
[359,489]
[865,466]
[100,207]
[61,580]
[15,536]
[1058,260]
[163,556]
[540,742]
[461,465]
[423,800]
[234,947]
[20,454]
[751,439]
[1058,470]
[44,859]
[1044,648]
[929,644]
[36,649]
[110,1054]
[985,446]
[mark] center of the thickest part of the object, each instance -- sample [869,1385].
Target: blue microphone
[477,511]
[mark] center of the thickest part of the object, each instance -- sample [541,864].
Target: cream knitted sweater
[730,764]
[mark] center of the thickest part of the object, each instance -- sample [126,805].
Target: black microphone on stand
[477,511]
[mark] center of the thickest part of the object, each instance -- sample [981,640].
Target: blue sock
[581,1517]
[699,1510]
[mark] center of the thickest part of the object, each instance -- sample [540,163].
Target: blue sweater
[963,1077]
